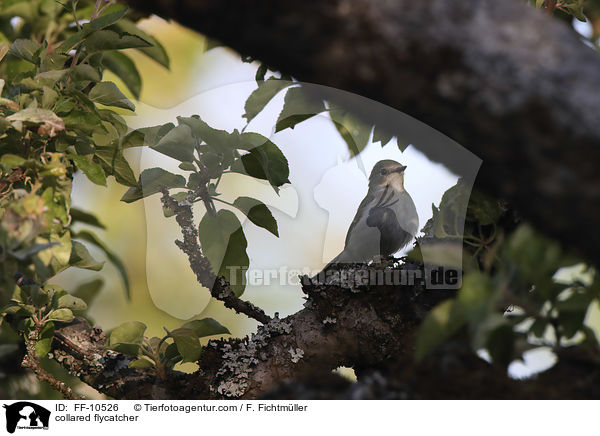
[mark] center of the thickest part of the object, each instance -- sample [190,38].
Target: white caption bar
[289,418]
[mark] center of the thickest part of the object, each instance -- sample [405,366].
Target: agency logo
[26,415]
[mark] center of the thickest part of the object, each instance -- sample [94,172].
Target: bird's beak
[400,169]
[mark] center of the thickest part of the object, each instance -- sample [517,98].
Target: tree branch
[508,82]
[219,287]
[371,329]
[32,362]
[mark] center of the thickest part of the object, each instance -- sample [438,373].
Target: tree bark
[370,328]
[506,81]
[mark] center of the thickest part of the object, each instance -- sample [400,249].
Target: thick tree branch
[80,348]
[511,84]
[371,329]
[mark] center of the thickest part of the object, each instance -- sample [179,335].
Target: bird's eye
[383,172]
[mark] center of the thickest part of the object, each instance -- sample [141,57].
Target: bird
[385,221]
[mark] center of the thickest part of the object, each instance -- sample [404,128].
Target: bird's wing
[407,213]
[362,209]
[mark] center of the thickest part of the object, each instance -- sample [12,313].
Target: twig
[222,292]
[103,8]
[200,265]
[96,10]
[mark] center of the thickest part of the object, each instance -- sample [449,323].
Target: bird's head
[387,172]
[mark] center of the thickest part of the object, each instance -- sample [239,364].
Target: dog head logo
[26,415]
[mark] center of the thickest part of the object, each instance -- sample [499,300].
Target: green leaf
[18,310]
[127,337]
[141,363]
[40,296]
[115,120]
[25,49]
[78,215]
[85,72]
[131,332]
[147,136]
[112,257]
[187,166]
[449,221]
[30,250]
[49,78]
[156,52]
[4,47]
[211,43]
[262,95]
[44,343]
[110,17]
[218,140]
[50,122]
[83,121]
[206,327]
[151,181]
[381,135]
[89,28]
[189,347]
[257,212]
[260,74]
[54,293]
[71,302]
[224,244]
[352,130]
[108,94]
[9,161]
[437,326]
[61,315]
[576,301]
[476,298]
[115,164]
[51,261]
[572,312]
[125,69]
[178,143]
[264,161]
[171,354]
[49,97]
[110,40]
[81,258]
[538,328]
[64,106]
[297,107]
[538,259]
[500,343]
[473,304]
[92,170]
